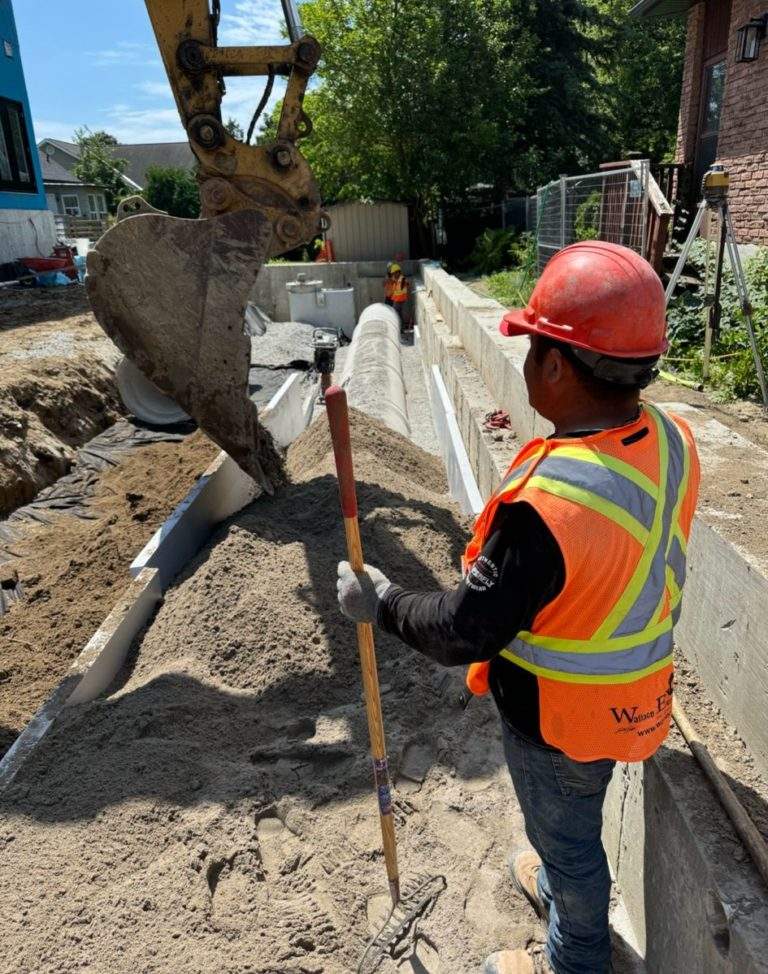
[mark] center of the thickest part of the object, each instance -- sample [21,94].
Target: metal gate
[611,205]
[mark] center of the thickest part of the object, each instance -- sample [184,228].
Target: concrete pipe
[373,373]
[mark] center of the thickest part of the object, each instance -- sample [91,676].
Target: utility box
[323,307]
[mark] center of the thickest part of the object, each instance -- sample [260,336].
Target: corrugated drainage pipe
[373,373]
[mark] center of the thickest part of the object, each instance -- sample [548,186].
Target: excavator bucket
[171,294]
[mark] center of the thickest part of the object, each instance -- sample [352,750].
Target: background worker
[396,290]
[572,584]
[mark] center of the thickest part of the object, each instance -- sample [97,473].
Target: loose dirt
[73,570]
[215,812]
[56,387]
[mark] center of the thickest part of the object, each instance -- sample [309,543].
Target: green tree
[100,165]
[234,128]
[173,190]
[639,88]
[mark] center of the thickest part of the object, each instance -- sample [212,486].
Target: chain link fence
[610,205]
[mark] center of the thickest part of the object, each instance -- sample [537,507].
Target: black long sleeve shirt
[519,570]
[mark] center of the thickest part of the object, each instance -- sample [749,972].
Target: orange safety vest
[620,504]
[396,288]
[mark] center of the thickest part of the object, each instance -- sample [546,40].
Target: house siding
[56,192]
[13,86]
[58,155]
[742,145]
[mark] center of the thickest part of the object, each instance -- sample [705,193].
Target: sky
[96,63]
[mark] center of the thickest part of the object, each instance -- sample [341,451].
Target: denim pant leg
[562,804]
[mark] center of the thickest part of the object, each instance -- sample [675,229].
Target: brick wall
[691,88]
[742,145]
[743,141]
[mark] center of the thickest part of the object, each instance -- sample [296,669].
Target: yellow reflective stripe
[614,645]
[606,460]
[595,503]
[586,677]
[512,485]
[628,597]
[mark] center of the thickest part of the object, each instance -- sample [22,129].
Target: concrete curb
[283,415]
[220,492]
[461,479]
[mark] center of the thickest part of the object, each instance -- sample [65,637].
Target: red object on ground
[598,296]
[63,260]
[497,420]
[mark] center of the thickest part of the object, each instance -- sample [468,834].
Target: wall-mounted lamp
[749,37]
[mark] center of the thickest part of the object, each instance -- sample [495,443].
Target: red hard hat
[598,296]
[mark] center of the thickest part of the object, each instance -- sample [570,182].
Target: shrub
[492,251]
[586,223]
[732,371]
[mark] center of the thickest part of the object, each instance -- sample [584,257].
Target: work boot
[516,962]
[525,868]
[509,962]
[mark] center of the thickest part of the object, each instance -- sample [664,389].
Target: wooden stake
[338,420]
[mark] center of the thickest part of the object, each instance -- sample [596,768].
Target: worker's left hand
[360,593]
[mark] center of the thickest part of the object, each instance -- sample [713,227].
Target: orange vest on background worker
[395,284]
[620,504]
[399,289]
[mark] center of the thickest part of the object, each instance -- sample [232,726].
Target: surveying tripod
[715,197]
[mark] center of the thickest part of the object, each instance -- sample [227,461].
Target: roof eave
[661,8]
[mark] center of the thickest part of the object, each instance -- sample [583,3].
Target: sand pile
[215,813]
[73,571]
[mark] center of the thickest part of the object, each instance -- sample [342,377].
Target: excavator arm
[171,293]
[274,179]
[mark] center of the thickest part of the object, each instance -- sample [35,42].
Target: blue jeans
[562,804]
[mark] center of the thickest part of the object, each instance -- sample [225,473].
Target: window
[16,172]
[712,90]
[71,205]
[97,207]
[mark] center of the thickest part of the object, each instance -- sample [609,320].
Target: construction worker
[396,291]
[572,584]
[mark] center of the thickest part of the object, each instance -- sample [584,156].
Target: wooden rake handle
[338,420]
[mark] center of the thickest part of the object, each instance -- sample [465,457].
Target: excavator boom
[171,293]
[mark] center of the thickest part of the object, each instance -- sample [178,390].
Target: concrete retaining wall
[366,277]
[692,905]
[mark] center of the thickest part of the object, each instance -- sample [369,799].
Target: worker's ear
[554,366]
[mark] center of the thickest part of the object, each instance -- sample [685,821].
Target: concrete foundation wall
[691,904]
[366,277]
[26,233]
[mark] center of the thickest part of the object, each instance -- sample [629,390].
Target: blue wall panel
[12,86]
